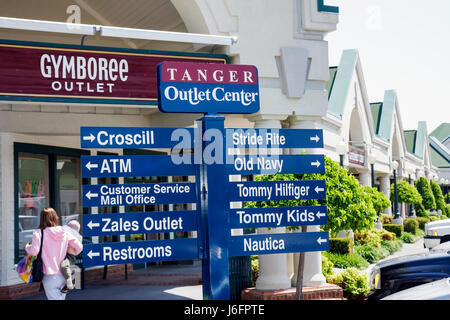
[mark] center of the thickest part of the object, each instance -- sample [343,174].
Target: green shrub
[385,219]
[437,193]
[424,188]
[420,211]
[391,246]
[371,254]
[341,245]
[255,268]
[344,261]
[379,199]
[395,228]
[327,267]
[355,284]
[385,235]
[407,237]
[434,218]
[422,221]
[368,237]
[410,225]
[406,193]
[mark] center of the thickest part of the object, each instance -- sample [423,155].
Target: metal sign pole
[213,177]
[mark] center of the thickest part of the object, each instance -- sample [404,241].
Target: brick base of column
[326,292]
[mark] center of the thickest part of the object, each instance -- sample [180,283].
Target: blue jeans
[53,284]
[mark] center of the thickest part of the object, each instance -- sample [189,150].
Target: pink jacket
[54,248]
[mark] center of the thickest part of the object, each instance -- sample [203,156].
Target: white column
[385,184]
[272,267]
[8,275]
[365,179]
[312,272]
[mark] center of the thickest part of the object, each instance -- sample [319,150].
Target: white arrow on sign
[316,163]
[93,225]
[320,240]
[90,195]
[93,254]
[320,214]
[316,138]
[317,189]
[90,137]
[90,165]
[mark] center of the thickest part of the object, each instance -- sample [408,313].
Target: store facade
[369,136]
[40,121]
[42,111]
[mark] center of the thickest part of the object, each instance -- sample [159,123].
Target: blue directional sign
[134,166]
[274,138]
[277,217]
[278,243]
[276,190]
[139,223]
[276,164]
[139,251]
[138,194]
[135,137]
[202,89]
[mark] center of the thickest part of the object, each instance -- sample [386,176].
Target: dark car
[405,272]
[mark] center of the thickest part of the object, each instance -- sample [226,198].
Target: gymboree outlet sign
[83,74]
[207,88]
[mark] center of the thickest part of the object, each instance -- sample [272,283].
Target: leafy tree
[437,193]
[406,192]
[424,188]
[349,205]
[379,199]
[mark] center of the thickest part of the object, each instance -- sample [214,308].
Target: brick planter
[19,290]
[326,292]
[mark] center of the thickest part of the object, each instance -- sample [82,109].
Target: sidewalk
[171,282]
[406,250]
[159,282]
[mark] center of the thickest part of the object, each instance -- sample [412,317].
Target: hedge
[411,225]
[422,221]
[395,228]
[341,245]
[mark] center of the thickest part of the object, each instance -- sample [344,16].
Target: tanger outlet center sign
[205,87]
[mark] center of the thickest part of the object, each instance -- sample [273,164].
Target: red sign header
[206,73]
[59,73]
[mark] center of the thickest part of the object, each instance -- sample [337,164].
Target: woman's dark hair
[49,218]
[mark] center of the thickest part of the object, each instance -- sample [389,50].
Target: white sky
[403,45]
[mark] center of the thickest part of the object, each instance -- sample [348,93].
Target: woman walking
[54,249]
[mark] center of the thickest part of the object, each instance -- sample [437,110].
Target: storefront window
[33,187]
[46,176]
[69,190]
